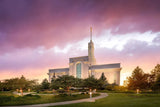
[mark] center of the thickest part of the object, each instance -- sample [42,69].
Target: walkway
[102,95]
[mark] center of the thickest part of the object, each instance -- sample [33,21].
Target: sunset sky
[37,35]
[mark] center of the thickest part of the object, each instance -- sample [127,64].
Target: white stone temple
[85,66]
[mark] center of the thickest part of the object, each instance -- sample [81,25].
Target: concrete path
[102,95]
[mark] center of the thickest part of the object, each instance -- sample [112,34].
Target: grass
[122,100]
[113,100]
[6,93]
[7,99]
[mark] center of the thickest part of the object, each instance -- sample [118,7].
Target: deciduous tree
[138,79]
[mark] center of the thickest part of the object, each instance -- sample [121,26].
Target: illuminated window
[78,70]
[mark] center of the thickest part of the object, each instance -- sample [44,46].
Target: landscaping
[7,98]
[122,100]
[140,89]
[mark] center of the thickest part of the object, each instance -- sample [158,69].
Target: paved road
[102,95]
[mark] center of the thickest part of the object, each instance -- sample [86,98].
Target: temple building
[85,66]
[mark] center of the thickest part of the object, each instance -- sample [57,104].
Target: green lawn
[122,100]
[7,98]
[113,100]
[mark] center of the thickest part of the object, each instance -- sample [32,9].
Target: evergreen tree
[45,84]
[91,82]
[78,82]
[155,72]
[103,78]
[156,85]
[103,81]
[155,78]
[64,82]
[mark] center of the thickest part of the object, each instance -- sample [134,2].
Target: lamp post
[137,91]
[90,94]
[21,91]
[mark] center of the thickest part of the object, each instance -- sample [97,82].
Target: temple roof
[59,70]
[75,59]
[105,66]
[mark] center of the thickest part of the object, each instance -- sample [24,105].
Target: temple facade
[85,66]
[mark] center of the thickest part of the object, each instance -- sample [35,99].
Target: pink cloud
[30,29]
[39,23]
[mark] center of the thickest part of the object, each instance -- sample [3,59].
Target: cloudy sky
[36,35]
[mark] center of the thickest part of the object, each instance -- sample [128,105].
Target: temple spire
[90,33]
[92,60]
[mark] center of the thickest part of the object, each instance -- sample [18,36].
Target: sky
[37,35]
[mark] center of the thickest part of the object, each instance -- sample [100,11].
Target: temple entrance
[78,70]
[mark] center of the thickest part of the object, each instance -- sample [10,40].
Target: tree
[156,85]
[155,72]
[1,86]
[155,78]
[138,79]
[17,83]
[103,78]
[64,82]
[102,81]
[25,83]
[45,84]
[22,82]
[91,82]
[78,82]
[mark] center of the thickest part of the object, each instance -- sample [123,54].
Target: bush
[46,92]
[109,88]
[63,95]
[120,88]
[61,91]
[28,95]
[83,93]
[31,96]
[5,98]
[74,95]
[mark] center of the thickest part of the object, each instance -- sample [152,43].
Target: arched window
[78,70]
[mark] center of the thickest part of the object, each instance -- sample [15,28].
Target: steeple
[91,57]
[90,33]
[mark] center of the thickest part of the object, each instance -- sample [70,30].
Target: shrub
[6,99]
[109,87]
[32,96]
[63,95]
[61,91]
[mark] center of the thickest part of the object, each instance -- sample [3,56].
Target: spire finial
[90,33]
